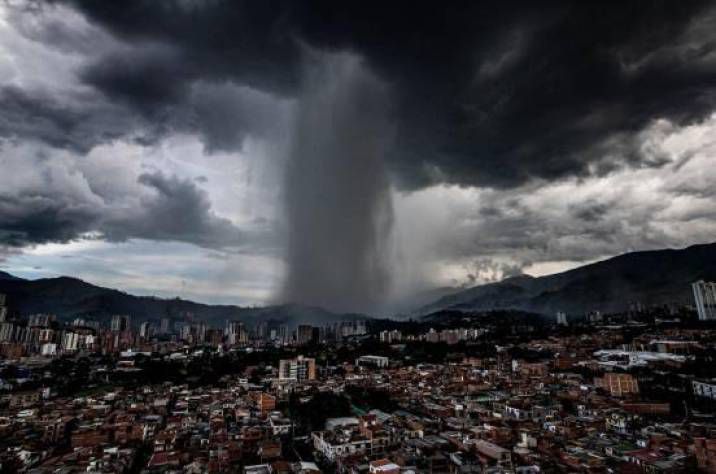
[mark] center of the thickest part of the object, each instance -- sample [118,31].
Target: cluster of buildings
[705,298]
[448,335]
[577,408]
[590,402]
[608,398]
[152,429]
[43,335]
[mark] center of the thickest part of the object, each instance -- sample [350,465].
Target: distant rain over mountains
[348,154]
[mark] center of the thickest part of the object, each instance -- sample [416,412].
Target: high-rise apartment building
[298,369]
[504,359]
[304,334]
[70,341]
[7,331]
[278,334]
[3,308]
[261,331]
[390,336]
[236,333]
[705,297]
[120,322]
[40,320]
[145,330]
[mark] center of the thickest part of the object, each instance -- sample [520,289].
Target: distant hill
[70,297]
[7,276]
[650,277]
[403,307]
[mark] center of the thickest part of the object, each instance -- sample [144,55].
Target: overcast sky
[144,145]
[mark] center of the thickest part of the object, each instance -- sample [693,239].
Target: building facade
[298,369]
[705,298]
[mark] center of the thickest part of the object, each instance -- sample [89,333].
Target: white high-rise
[705,296]
[3,308]
[299,369]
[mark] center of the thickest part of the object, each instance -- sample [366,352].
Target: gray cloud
[176,210]
[574,220]
[589,76]
[77,125]
[151,79]
[487,270]
[590,211]
[36,218]
[61,201]
[225,114]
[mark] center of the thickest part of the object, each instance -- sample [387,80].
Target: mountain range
[69,298]
[649,277]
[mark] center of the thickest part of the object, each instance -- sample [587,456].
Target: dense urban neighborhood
[494,392]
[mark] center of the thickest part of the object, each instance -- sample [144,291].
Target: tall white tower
[705,296]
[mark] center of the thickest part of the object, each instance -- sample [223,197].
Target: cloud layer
[482,94]
[524,137]
[492,233]
[56,198]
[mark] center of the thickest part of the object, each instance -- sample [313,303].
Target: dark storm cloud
[176,210]
[138,91]
[40,218]
[31,117]
[150,79]
[225,114]
[247,40]
[170,209]
[590,211]
[483,93]
[77,125]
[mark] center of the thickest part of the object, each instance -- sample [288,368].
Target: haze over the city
[349,155]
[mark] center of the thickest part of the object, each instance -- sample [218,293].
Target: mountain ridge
[609,285]
[70,297]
